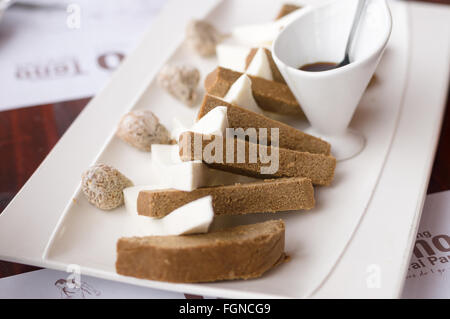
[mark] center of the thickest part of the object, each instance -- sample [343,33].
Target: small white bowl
[329,98]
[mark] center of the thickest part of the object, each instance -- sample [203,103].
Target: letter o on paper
[438,242]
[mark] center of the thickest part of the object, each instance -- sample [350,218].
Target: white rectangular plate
[355,243]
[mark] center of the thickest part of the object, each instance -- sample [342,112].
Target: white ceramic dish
[355,243]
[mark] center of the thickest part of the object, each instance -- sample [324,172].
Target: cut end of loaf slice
[241,252]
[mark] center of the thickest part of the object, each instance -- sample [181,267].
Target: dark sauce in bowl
[318,66]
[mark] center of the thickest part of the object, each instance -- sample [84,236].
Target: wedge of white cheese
[187,176]
[234,57]
[171,171]
[194,217]
[240,93]
[214,122]
[260,66]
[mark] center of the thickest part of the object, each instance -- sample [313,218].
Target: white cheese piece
[264,34]
[260,66]
[171,171]
[194,217]
[187,176]
[141,226]
[240,93]
[232,56]
[214,122]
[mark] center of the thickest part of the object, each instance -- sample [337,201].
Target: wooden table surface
[28,134]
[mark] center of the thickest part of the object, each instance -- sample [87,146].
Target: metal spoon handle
[356,19]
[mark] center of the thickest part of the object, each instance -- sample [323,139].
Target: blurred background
[61,50]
